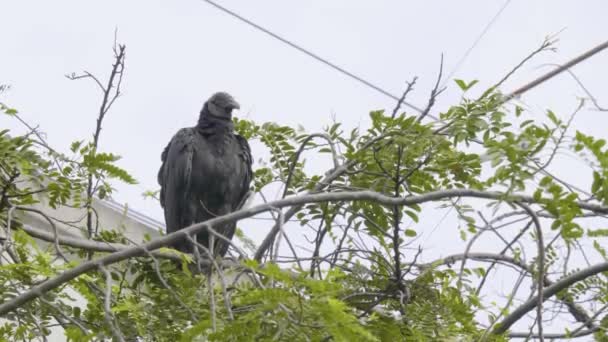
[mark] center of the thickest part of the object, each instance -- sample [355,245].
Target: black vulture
[205,172]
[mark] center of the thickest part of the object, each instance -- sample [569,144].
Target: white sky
[180,52]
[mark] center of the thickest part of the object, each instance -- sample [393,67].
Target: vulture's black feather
[205,172]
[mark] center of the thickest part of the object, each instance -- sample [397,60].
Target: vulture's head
[221,105]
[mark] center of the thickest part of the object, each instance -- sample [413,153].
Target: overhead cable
[313,55]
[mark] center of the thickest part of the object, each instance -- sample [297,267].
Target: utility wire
[313,55]
[510,96]
[481,35]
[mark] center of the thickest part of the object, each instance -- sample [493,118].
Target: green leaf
[525,123]
[598,233]
[11,111]
[553,117]
[412,215]
[597,182]
[195,331]
[464,86]
[75,146]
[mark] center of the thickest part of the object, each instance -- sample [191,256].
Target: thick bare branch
[294,201]
[89,245]
[548,292]
[556,71]
[569,336]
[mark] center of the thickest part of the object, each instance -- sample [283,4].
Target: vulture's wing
[161,174]
[228,230]
[247,162]
[174,178]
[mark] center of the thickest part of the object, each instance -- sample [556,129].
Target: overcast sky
[180,52]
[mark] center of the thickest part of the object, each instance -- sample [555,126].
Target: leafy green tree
[361,276]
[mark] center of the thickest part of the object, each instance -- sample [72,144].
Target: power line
[515,93]
[557,71]
[311,54]
[477,40]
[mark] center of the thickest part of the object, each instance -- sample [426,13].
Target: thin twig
[560,139]
[506,307]
[296,157]
[434,93]
[53,226]
[547,45]
[210,285]
[220,273]
[330,176]
[280,220]
[108,306]
[168,287]
[583,87]
[65,316]
[108,99]
[541,267]
[410,87]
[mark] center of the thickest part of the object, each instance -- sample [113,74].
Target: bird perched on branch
[205,172]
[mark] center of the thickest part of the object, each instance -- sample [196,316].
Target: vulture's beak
[234,105]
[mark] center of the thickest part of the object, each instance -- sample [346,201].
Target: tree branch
[410,87]
[541,267]
[434,93]
[108,99]
[295,201]
[555,72]
[548,292]
[89,245]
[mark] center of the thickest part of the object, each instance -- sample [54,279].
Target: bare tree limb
[551,74]
[294,201]
[89,245]
[577,312]
[581,333]
[548,292]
